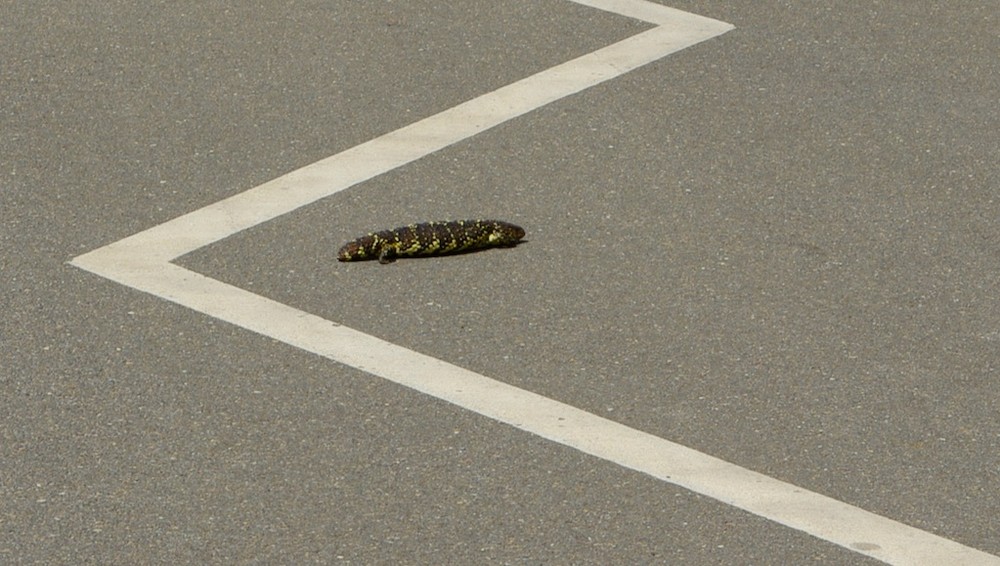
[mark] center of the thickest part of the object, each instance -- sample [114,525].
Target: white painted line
[214,222]
[142,262]
[816,514]
[657,14]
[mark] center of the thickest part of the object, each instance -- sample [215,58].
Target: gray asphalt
[780,247]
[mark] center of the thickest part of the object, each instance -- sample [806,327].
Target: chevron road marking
[143,262]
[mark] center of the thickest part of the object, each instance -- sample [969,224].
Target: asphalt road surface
[779,247]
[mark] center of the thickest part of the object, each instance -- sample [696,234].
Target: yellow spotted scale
[431,238]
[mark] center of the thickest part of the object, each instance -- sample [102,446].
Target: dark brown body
[431,238]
